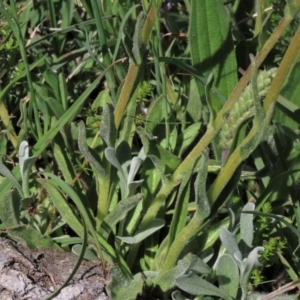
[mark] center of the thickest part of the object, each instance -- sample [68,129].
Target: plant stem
[133,71]
[184,237]
[126,93]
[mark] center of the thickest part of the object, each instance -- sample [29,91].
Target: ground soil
[32,275]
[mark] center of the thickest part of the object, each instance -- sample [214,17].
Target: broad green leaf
[134,167]
[67,9]
[212,46]
[127,131]
[194,285]
[227,272]
[213,232]
[166,281]
[247,228]
[55,107]
[30,237]
[187,137]
[249,265]
[228,239]
[194,107]
[157,117]
[122,26]
[159,165]
[124,156]
[111,156]
[10,208]
[121,288]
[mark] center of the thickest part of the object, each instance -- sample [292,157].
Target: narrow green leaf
[139,47]
[180,214]
[62,206]
[152,227]
[85,151]
[203,206]
[188,68]
[119,213]
[110,155]
[64,162]
[4,171]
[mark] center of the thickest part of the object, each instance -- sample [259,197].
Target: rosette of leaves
[244,108]
[234,269]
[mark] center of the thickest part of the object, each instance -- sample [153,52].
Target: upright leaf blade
[108,129]
[228,275]
[211,45]
[247,229]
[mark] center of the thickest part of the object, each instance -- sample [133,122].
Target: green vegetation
[152,149]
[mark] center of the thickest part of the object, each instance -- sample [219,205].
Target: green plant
[235,269]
